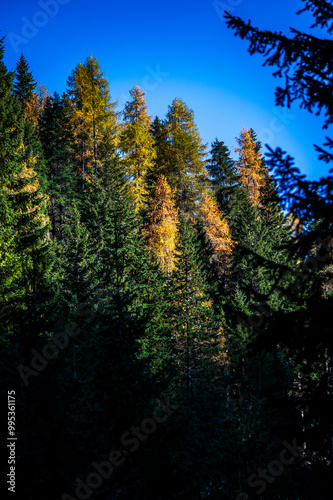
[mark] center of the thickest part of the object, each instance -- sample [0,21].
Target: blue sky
[178,48]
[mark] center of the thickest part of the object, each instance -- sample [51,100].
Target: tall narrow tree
[93,115]
[162,225]
[185,163]
[137,144]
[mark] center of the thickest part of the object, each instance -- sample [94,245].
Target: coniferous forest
[166,305]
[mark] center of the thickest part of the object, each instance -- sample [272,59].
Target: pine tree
[162,147]
[137,144]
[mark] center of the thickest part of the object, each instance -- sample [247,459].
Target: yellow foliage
[217,229]
[93,114]
[249,165]
[137,145]
[36,104]
[162,230]
[219,342]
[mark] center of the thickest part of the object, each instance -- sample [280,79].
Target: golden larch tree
[35,106]
[185,157]
[217,229]
[250,165]
[137,144]
[94,118]
[162,230]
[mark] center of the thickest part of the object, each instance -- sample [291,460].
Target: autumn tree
[184,164]
[217,230]
[137,145]
[249,165]
[162,228]
[93,114]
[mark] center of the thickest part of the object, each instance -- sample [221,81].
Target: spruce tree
[223,174]
[24,82]
[193,324]
[58,143]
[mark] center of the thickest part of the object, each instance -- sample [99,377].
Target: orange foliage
[249,165]
[36,104]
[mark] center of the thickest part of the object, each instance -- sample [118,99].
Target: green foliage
[218,311]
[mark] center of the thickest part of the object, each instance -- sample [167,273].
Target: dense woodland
[145,273]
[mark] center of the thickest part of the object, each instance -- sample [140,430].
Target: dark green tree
[24,82]
[223,174]
[57,142]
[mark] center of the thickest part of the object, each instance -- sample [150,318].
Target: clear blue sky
[176,48]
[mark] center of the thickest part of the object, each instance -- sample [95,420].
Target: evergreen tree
[58,142]
[32,105]
[223,174]
[11,159]
[193,326]
[24,85]
[304,60]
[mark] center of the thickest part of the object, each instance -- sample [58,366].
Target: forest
[165,304]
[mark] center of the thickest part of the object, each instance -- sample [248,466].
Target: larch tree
[93,114]
[249,165]
[137,144]
[162,229]
[217,230]
[185,162]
